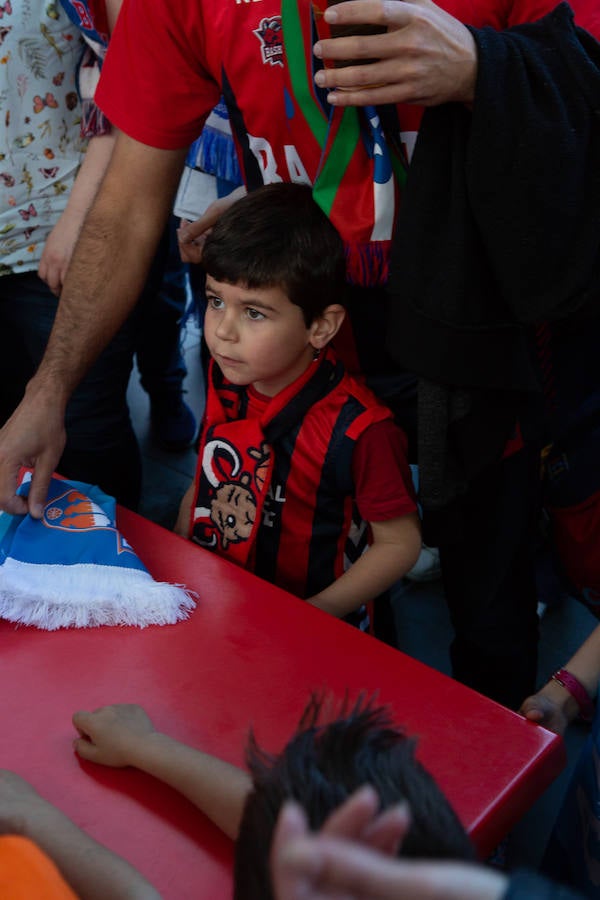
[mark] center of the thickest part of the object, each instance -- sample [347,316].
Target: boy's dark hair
[320,767]
[277,236]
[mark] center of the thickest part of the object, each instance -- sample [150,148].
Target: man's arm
[123,735]
[107,272]
[394,550]
[92,871]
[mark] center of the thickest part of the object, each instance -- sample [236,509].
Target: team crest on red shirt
[271,40]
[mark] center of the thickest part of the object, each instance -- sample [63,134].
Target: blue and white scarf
[73,569]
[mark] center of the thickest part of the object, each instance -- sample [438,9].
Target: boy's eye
[254,313]
[215,302]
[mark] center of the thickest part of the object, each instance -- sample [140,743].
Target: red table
[249,654]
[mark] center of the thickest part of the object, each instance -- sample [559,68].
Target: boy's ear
[325,327]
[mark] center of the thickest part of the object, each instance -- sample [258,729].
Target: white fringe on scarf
[84,595]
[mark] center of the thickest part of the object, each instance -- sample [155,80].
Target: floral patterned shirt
[41,146]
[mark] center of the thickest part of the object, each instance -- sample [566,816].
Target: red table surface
[249,654]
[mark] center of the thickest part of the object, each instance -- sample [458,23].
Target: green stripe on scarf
[299,71]
[357,177]
[336,161]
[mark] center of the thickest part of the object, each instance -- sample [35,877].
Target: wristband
[577,691]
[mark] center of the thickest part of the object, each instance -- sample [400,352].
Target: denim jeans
[101,446]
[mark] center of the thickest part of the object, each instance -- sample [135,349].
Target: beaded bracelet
[577,691]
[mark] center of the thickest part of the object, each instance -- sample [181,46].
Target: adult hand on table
[426,56]
[34,436]
[191,235]
[111,735]
[351,859]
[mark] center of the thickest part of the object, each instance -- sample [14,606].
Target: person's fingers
[424,54]
[335,864]
[83,745]
[534,714]
[10,501]
[43,270]
[193,230]
[376,94]
[532,709]
[85,749]
[55,284]
[537,709]
[387,832]
[354,815]
[340,865]
[291,825]
[51,270]
[40,482]
[80,719]
[383,13]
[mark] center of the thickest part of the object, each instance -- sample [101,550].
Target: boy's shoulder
[375,410]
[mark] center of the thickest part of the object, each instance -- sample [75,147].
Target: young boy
[322,765]
[290,442]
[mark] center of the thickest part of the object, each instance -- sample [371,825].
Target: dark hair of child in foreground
[320,767]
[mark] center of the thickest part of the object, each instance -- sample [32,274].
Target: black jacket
[499,229]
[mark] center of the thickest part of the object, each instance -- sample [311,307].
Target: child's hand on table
[112,735]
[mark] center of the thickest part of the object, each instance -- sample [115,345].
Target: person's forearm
[93,871]
[373,573]
[90,175]
[110,262]
[555,704]
[214,786]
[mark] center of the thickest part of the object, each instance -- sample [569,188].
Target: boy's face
[257,336]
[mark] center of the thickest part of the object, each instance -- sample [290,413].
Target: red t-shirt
[168,58]
[382,481]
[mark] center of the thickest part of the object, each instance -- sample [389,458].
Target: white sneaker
[427,567]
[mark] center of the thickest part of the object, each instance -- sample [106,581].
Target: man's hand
[426,55]
[111,735]
[34,436]
[191,235]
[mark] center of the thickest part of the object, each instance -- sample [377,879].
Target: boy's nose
[226,330]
